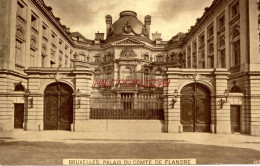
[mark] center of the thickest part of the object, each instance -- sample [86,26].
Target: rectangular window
[32,58]
[21,10]
[19,53]
[44,31]
[211,61]
[222,54]
[235,9]
[52,54]
[53,38]
[236,53]
[34,21]
[210,31]
[221,22]
[201,39]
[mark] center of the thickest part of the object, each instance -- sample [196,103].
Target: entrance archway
[58,107]
[195,108]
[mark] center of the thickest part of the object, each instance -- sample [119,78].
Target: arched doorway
[195,108]
[58,107]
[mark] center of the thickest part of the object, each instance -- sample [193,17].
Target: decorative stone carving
[127,52]
[235,88]
[33,42]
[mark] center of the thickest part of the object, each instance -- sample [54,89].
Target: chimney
[109,25]
[99,36]
[68,30]
[157,37]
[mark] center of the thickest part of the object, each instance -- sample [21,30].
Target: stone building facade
[206,80]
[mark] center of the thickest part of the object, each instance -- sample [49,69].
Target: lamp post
[223,101]
[174,99]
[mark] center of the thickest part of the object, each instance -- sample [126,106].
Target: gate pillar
[81,97]
[222,115]
[171,107]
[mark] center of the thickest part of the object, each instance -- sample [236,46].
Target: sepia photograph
[129,82]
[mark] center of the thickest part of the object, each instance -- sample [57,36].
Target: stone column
[223,124]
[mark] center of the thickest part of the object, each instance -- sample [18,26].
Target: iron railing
[127,106]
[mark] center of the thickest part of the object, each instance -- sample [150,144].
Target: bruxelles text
[152,83]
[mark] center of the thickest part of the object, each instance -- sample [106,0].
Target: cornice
[208,12]
[41,6]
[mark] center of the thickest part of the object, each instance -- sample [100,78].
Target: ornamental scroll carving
[127,52]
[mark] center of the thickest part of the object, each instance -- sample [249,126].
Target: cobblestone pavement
[50,147]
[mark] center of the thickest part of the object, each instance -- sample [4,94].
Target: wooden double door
[195,108]
[58,107]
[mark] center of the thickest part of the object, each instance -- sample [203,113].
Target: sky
[169,17]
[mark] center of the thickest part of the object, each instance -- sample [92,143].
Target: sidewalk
[229,140]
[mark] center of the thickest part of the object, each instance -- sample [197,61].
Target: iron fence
[127,106]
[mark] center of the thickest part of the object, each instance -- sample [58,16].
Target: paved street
[49,147]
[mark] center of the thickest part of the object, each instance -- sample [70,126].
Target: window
[127,74]
[52,63]
[158,75]
[44,31]
[19,53]
[53,38]
[34,21]
[43,61]
[146,74]
[21,10]
[97,74]
[32,58]
[52,54]
[235,9]
[97,58]
[60,58]
[202,39]
[159,58]
[210,31]
[222,61]
[236,53]
[221,22]
[109,74]
[211,61]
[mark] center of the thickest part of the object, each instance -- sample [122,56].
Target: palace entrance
[195,108]
[58,107]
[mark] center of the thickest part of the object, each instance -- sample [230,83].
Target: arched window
[97,74]
[127,73]
[158,75]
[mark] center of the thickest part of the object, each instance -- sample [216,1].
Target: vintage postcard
[129,82]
